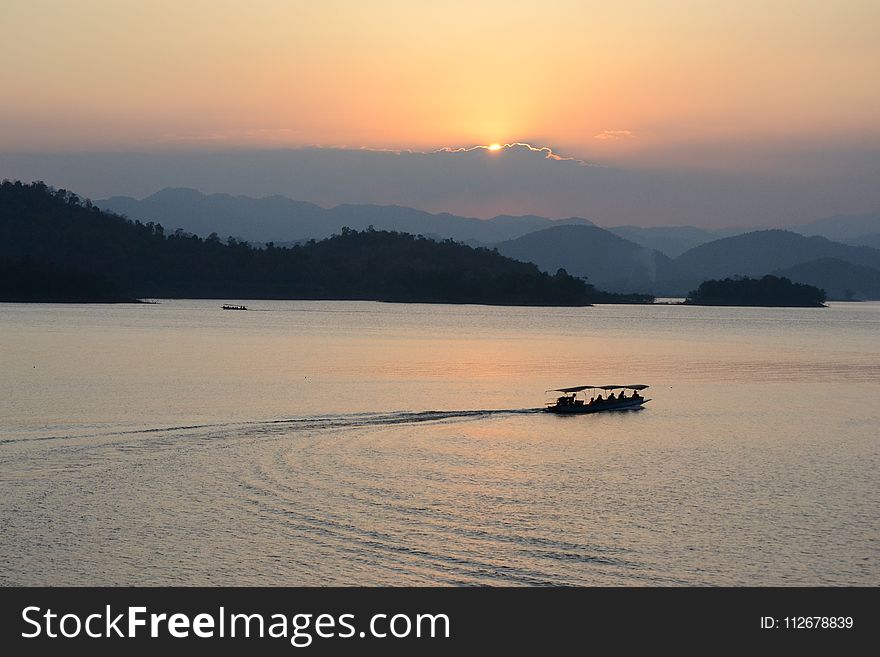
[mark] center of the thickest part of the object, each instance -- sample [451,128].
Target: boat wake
[303,423]
[402,417]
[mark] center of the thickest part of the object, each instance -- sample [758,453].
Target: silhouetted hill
[671,241]
[608,261]
[756,254]
[57,231]
[841,280]
[765,291]
[280,219]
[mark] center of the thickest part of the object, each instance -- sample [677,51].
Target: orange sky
[628,81]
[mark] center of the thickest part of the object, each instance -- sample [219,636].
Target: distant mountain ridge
[843,227]
[669,240]
[871,239]
[281,219]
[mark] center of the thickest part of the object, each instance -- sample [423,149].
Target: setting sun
[494,147]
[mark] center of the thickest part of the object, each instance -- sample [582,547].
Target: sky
[740,96]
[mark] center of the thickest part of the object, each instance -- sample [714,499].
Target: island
[56,246]
[766,291]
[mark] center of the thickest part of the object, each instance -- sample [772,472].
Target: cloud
[520,146]
[614,134]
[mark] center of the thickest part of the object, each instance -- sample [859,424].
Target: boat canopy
[636,386]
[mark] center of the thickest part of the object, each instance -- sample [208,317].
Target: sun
[494,147]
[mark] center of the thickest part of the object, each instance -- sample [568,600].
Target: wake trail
[310,422]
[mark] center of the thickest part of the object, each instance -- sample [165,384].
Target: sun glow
[494,147]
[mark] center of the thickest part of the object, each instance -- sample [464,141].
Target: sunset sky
[740,87]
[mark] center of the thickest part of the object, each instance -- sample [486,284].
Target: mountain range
[761,252]
[605,259]
[280,219]
[838,253]
[56,247]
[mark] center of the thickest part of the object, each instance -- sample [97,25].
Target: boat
[232,306]
[589,399]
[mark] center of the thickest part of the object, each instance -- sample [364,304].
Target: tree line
[55,245]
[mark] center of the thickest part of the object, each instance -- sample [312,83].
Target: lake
[360,443]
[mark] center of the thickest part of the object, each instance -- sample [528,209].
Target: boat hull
[628,405]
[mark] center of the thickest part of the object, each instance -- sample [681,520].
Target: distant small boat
[575,400]
[230,306]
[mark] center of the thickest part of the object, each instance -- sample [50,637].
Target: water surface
[305,443]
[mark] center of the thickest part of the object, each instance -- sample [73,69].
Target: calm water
[309,443]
